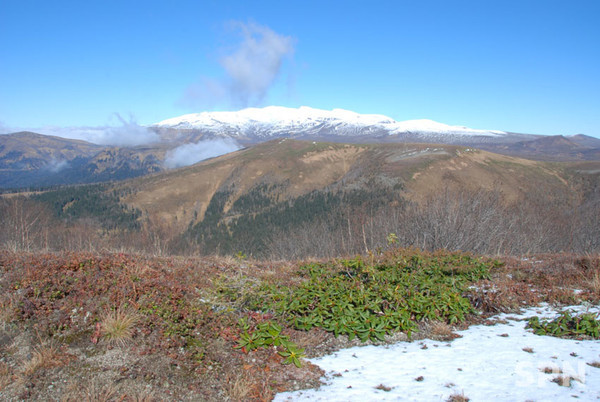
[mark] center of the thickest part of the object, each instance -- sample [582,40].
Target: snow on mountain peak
[426,125]
[274,121]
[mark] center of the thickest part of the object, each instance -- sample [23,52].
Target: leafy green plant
[567,324]
[391,239]
[368,301]
[293,355]
[267,334]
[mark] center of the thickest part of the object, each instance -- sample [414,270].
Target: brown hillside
[474,169]
[26,150]
[181,196]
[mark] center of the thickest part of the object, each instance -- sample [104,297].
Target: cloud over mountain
[188,154]
[126,133]
[250,69]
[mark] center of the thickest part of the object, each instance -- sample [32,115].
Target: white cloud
[188,154]
[56,165]
[127,133]
[250,69]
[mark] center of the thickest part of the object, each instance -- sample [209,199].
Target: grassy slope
[182,196]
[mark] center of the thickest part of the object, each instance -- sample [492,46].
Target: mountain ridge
[33,160]
[275,121]
[299,167]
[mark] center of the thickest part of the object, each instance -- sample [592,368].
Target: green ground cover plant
[369,300]
[567,324]
[267,334]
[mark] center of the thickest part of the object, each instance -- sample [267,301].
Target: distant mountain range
[257,125]
[31,159]
[35,160]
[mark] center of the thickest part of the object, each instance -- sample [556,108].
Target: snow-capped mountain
[36,159]
[259,124]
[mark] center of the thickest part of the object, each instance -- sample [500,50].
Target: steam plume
[251,69]
[189,154]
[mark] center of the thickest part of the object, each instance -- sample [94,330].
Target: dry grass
[144,396]
[528,349]
[565,380]
[91,392]
[45,355]
[118,326]
[95,391]
[595,364]
[383,388]
[547,278]
[595,283]
[7,311]
[441,330]
[551,370]
[456,397]
[239,387]
[6,375]
[138,270]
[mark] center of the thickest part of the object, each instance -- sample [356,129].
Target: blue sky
[524,66]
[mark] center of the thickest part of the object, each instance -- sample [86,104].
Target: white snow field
[274,121]
[501,362]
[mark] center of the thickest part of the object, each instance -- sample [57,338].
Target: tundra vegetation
[132,326]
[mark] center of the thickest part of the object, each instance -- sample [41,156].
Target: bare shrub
[316,239]
[465,220]
[25,224]
[478,221]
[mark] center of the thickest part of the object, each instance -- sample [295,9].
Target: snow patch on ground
[498,362]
